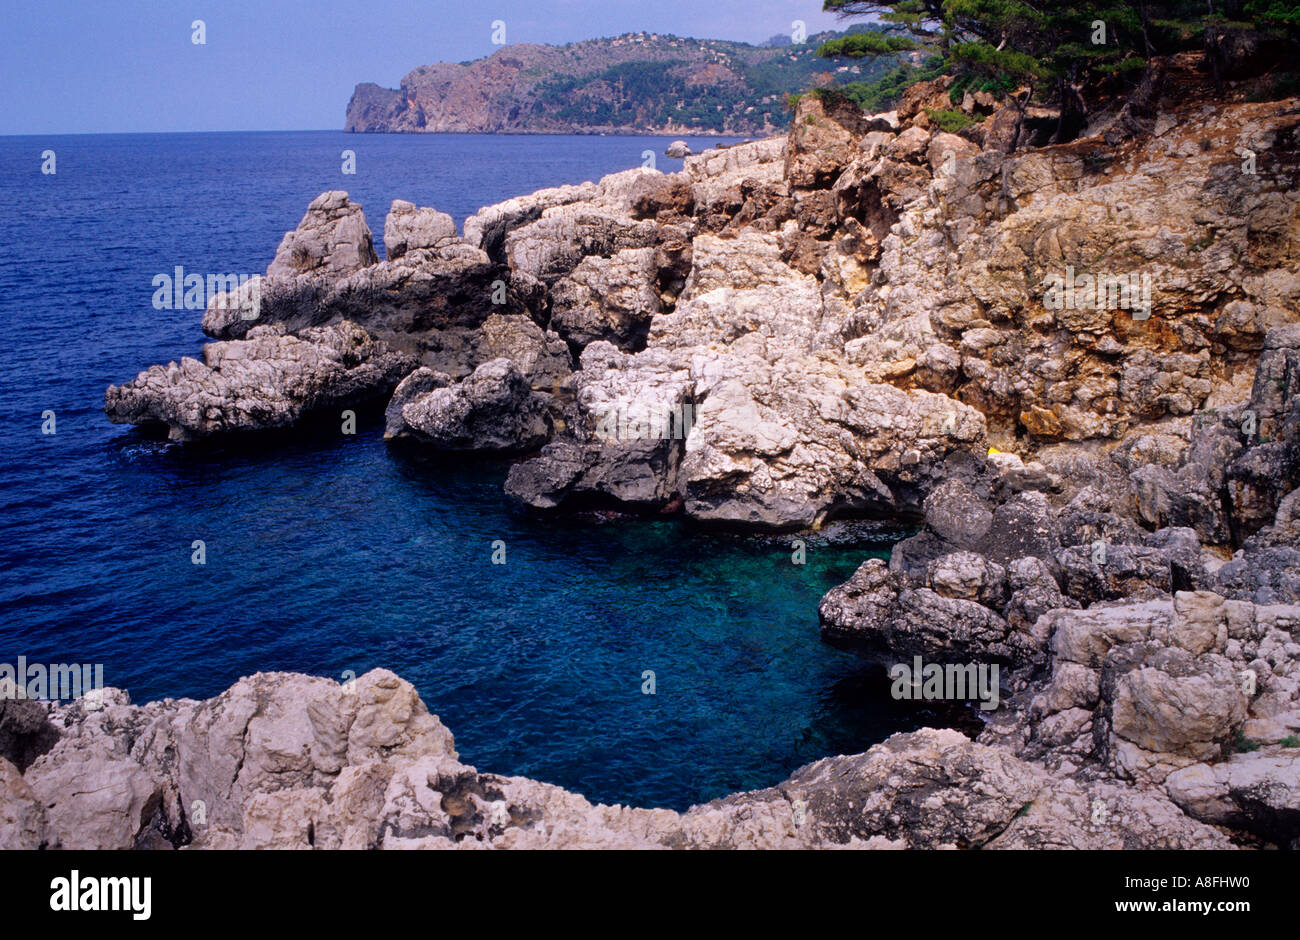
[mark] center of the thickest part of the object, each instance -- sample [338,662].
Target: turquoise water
[332,559]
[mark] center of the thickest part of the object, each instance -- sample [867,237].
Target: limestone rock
[492,411]
[409,227]
[1259,792]
[332,239]
[266,381]
[22,818]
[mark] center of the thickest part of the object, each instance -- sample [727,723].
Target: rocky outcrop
[838,321]
[23,824]
[268,380]
[492,411]
[409,227]
[283,761]
[326,271]
[331,325]
[1144,702]
[332,240]
[1074,369]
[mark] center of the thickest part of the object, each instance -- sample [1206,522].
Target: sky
[127,66]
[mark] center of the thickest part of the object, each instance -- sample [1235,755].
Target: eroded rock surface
[284,761]
[268,380]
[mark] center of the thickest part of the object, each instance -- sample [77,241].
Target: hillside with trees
[636,83]
[1065,55]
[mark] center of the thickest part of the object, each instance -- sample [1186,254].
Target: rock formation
[1074,369]
[294,762]
[267,380]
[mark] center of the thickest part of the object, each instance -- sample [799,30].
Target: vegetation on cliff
[1063,52]
[637,83]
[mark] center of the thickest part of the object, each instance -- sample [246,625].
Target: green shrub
[1243,744]
[950,122]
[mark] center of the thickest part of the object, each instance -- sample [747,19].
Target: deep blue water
[324,558]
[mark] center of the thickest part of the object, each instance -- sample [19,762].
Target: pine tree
[1057,48]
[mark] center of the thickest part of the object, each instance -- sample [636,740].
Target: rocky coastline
[1074,368]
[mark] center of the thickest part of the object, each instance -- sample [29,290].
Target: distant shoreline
[621,132]
[741,138]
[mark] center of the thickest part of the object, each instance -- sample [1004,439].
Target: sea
[638,661]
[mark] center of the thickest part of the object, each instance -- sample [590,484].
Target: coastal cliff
[1074,367]
[637,83]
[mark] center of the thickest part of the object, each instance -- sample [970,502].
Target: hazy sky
[85,66]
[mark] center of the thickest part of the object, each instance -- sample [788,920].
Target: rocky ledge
[291,761]
[1074,368]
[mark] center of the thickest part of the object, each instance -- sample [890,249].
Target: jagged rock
[409,298]
[22,818]
[542,356]
[958,630]
[487,229]
[408,227]
[416,385]
[862,607]
[633,475]
[1086,636]
[1285,528]
[1258,792]
[492,411]
[877,609]
[823,138]
[716,175]
[553,246]
[1265,576]
[926,789]
[746,261]
[1110,572]
[672,201]
[968,576]
[94,793]
[265,381]
[609,299]
[1034,591]
[1104,815]
[331,240]
[289,761]
[1175,703]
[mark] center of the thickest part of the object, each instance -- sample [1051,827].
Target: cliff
[636,83]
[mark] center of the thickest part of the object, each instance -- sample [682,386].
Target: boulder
[1258,792]
[410,227]
[492,411]
[332,240]
[23,825]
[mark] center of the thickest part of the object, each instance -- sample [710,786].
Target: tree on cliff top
[1056,48]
